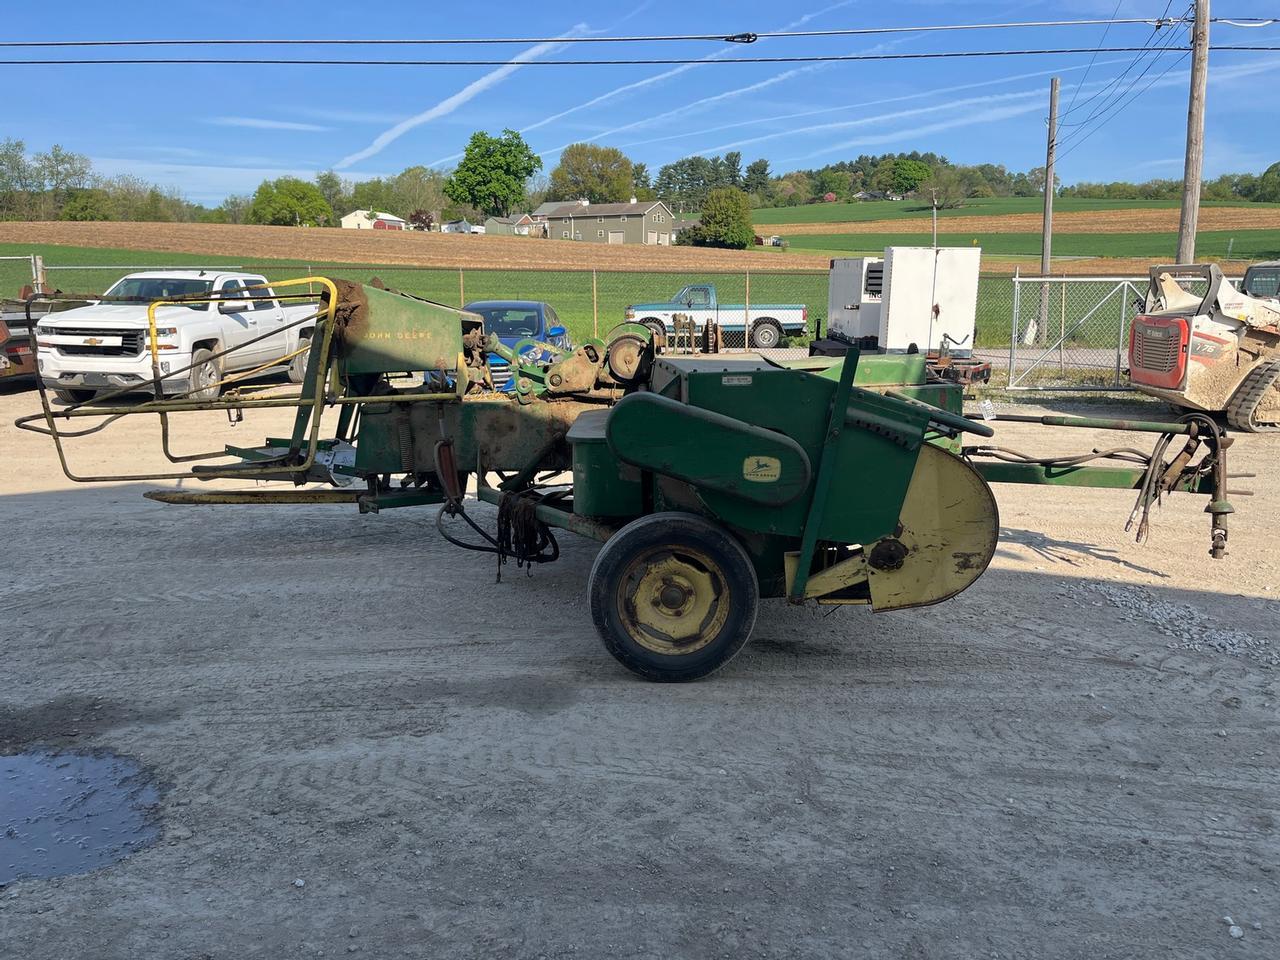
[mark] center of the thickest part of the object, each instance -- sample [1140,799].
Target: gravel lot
[1076,758]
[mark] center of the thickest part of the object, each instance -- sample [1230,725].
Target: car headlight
[166,331]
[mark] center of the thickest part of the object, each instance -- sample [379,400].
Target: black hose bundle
[521,534]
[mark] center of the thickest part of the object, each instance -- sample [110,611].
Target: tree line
[499,175]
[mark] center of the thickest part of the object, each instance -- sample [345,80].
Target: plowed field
[319,245]
[451,251]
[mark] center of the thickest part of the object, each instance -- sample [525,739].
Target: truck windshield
[1262,282]
[509,321]
[162,288]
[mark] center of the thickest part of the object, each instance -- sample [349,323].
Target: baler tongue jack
[712,482]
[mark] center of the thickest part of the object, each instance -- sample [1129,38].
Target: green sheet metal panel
[391,333]
[872,469]
[707,449]
[603,486]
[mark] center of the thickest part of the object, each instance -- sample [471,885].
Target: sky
[210,130]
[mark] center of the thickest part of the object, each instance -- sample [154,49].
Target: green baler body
[687,432]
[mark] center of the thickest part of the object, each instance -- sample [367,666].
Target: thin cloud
[450,104]
[1001,113]
[702,131]
[973,117]
[648,81]
[258,123]
[880,118]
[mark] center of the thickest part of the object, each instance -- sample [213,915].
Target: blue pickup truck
[768,322]
[515,321]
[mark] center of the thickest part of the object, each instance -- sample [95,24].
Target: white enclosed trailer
[913,298]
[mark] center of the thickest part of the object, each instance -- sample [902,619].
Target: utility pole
[1193,168]
[1046,237]
[934,191]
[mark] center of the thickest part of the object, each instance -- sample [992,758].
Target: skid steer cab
[1201,344]
[713,484]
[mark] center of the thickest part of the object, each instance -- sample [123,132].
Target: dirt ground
[1075,758]
[451,251]
[1087,221]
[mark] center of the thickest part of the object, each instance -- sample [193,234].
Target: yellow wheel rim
[673,600]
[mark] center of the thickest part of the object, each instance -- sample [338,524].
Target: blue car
[515,321]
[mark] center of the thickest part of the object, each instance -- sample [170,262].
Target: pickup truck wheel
[75,396]
[673,596]
[298,365]
[765,334]
[205,374]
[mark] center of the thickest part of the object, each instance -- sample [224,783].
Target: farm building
[646,222]
[518,225]
[456,226]
[373,220]
[683,223]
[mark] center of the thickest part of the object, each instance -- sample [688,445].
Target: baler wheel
[673,596]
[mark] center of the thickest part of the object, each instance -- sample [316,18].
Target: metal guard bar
[162,407]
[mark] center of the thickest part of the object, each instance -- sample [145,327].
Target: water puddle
[66,813]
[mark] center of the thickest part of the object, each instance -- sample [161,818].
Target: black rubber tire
[734,571]
[74,396]
[1242,410]
[298,365]
[204,370]
[766,334]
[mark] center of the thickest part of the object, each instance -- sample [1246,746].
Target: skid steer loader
[1201,344]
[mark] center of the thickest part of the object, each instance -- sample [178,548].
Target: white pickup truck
[768,322]
[104,345]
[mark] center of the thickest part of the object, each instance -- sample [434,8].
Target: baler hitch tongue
[1210,475]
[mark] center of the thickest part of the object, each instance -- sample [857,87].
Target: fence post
[746,315]
[1013,325]
[1062,328]
[38,278]
[595,306]
[1124,303]
[462,291]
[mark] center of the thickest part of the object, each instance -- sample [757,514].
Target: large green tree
[726,221]
[493,172]
[1268,188]
[289,201]
[587,171]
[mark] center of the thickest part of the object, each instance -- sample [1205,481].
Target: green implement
[712,482]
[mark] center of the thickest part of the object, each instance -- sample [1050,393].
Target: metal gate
[1071,333]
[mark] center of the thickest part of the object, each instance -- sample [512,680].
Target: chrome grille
[131,343]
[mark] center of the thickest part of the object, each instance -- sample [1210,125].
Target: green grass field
[569,292]
[991,206]
[1244,244]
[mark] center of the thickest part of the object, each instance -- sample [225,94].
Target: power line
[1105,106]
[278,61]
[1147,43]
[1102,39]
[1085,135]
[744,37]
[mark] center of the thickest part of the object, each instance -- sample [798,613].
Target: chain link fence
[1056,333]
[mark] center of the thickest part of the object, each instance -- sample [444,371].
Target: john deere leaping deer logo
[761,469]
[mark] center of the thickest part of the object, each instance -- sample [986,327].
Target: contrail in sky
[450,104]
[656,78]
[855,106]
[999,113]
